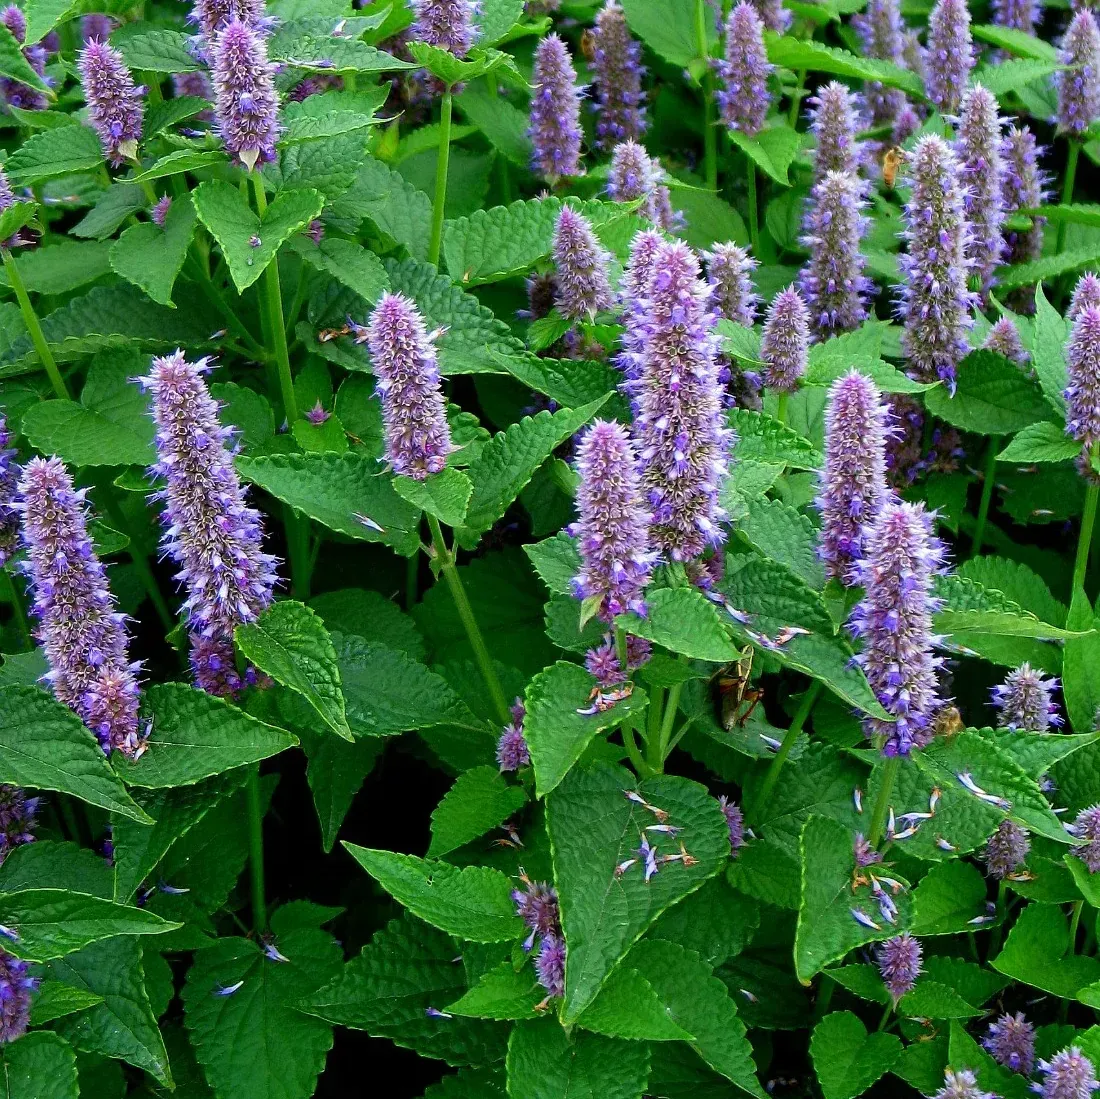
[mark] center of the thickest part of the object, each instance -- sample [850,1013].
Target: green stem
[781,407]
[987,493]
[30,319]
[996,931]
[641,768]
[796,99]
[658,751]
[256,852]
[469,622]
[233,323]
[1088,521]
[301,559]
[775,768]
[710,130]
[1067,189]
[442,166]
[882,806]
[754,228]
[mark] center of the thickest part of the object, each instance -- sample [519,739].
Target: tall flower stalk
[983,173]
[1082,396]
[950,54]
[555,129]
[1078,89]
[114,101]
[617,74]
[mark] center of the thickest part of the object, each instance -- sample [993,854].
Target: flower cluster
[537,905]
[899,962]
[735,822]
[448,24]
[834,119]
[1086,295]
[635,175]
[16,986]
[17,821]
[1010,1041]
[1004,338]
[209,529]
[729,273]
[1021,15]
[583,288]
[743,98]
[1079,85]
[1006,850]
[1086,830]
[632,290]
[245,102]
[785,341]
[894,620]
[512,752]
[1069,1075]
[1083,374]
[1025,701]
[950,54]
[881,32]
[962,1084]
[983,175]
[114,102]
[9,480]
[603,664]
[14,92]
[555,129]
[617,74]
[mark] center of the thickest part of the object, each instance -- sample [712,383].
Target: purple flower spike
[418,438]
[94,27]
[602,662]
[1004,338]
[1086,294]
[114,103]
[79,626]
[611,530]
[617,74]
[14,93]
[1086,830]
[834,120]
[537,905]
[1010,1041]
[582,264]
[555,128]
[1006,850]
[214,15]
[16,819]
[1083,371]
[15,997]
[639,270]
[209,529]
[773,15]
[853,483]
[894,619]
[784,344]
[7,199]
[899,962]
[743,98]
[683,442]
[1022,15]
[194,83]
[245,104]
[881,31]
[9,481]
[1079,87]
[1025,701]
[906,124]
[13,18]
[448,24]
[729,273]
[159,213]
[635,175]
[934,299]
[736,822]
[1069,1075]
[950,54]
[550,965]
[512,752]
[833,283]
[983,176]
[961,1085]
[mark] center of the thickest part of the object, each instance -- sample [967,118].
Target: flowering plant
[548,547]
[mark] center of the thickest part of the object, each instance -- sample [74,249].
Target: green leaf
[994,397]
[594,828]
[290,643]
[372,616]
[44,15]
[332,54]
[700,1003]
[39,1066]
[53,153]
[15,66]
[15,217]
[557,735]
[669,31]
[350,263]
[847,1059]
[827,930]
[1006,77]
[479,800]
[965,1052]
[1015,41]
[1042,442]
[556,560]
[509,460]
[399,209]
[328,165]
[111,425]
[256,1044]
[684,621]
[503,993]
[627,1007]
[335,773]
[452,70]
[60,267]
[1081,666]
[495,18]
[339,491]
[1048,355]
[715,922]
[157,49]
[797,54]
[235,226]
[1028,274]
[544,1061]
[764,439]
[1038,953]
[947,899]
[772,150]
[55,1000]
[43,744]
[785,535]
[54,922]
[306,122]
[386,990]
[152,257]
[1075,213]
[113,207]
[176,163]
[445,495]
[503,125]
[473,903]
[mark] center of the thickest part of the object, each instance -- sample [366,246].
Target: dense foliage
[546,550]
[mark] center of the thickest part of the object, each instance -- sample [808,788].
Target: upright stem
[1088,521]
[710,132]
[789,739]
[466,613]
[1067,188]
[882,806]
[781,407]
[442,165]
[256,852]
[754,228]
[30,319]
[987,493]
[659,752]
[796,98]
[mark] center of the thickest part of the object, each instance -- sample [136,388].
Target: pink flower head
[583,289]
[618,73]
[555,129]
[245,104]
[114,102]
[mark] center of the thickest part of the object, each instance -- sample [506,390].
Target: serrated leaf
[333,54]
[351,263]
[290,643]
[847,1059]
[44,745]
[39,1066]
[1015,41]
[1042,442]
[1036,753]
[993,397]
[54,1000]
[479,800]
[1036,271]
[336,490]
[399,209]
[947,899]
[372,616]
[798,53]
[328,165]
[557,735]
[503,124]
[669,31]
[932,1000]
[1038,952]
[593,829]
[61,267]
[1048,354]
[1005,77]
[773,151]
[471,903]
[176,163]
[151,257]
[509,460]
[965,1052]
[15,66]
[764,439]
[1081,665]
[335,772]
[445,495]
[44,15]
[503,993]
[544,1061]
[53,153]
[51,923]
[157,49]
[113,207]
[785,535]
[557,560]
[235,226]
[15,217]
[255,1044]
[386,990]
[194,736]
[831,363]
[684,621]
[628,1007]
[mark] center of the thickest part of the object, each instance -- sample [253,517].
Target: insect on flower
[732,690]
[892,161]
